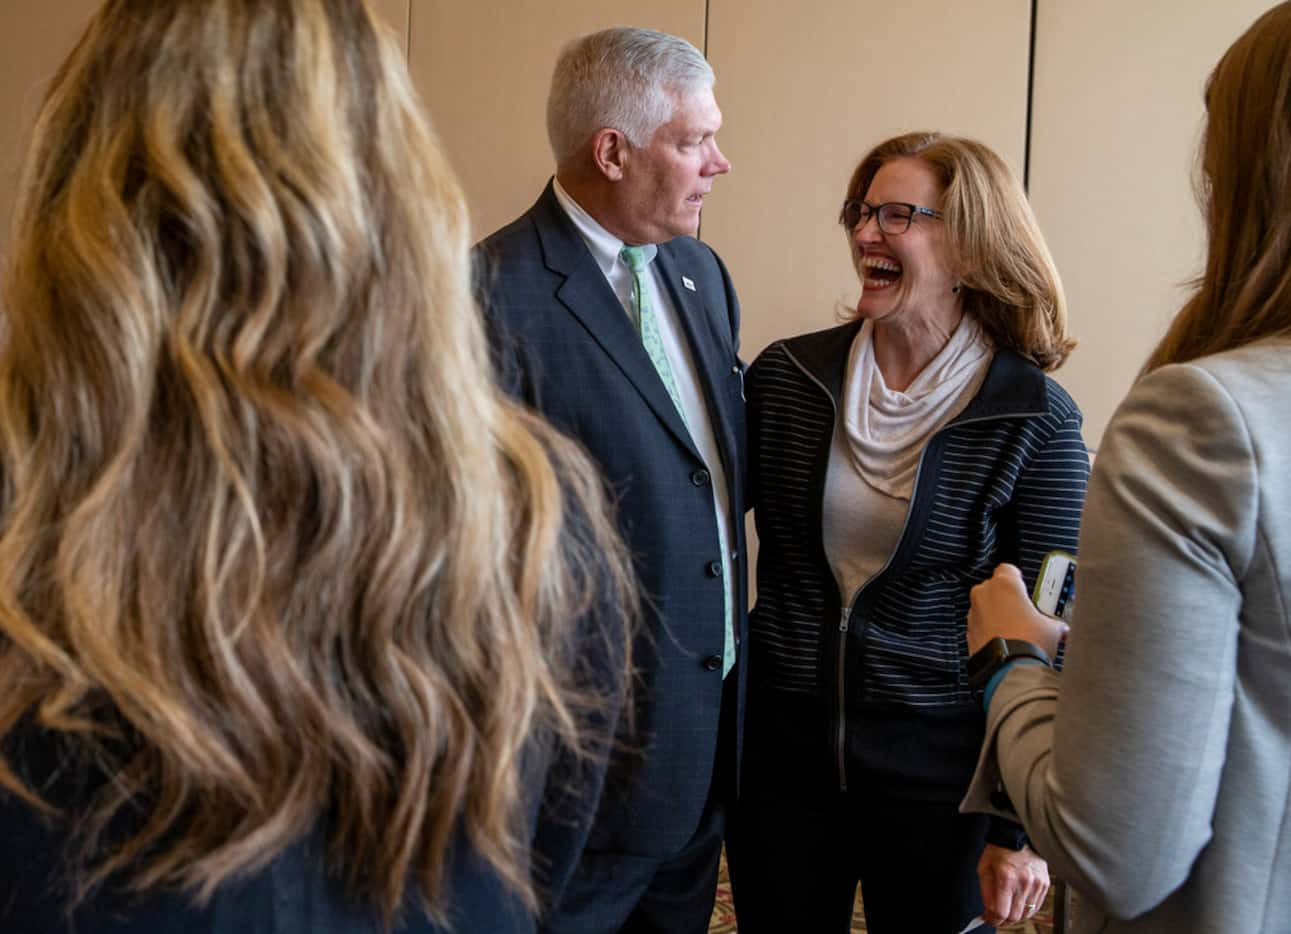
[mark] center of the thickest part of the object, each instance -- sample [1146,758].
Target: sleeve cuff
[999,676]
[1006,834]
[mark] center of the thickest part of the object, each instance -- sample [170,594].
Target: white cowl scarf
[887,430]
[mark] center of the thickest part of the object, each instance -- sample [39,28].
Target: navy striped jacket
[1003,481]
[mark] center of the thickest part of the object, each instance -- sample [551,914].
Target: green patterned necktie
[648,325]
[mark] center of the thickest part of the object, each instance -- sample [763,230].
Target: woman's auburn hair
[1244,186]
[1008,278]
[274,548]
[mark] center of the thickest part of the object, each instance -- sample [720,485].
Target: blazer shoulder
[1255,371]
[508,263]
[687,251]
[826,341]
[1061,404]
[519,236]
[689,247]
[817,351]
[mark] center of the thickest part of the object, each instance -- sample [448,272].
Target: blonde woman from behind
[303,626]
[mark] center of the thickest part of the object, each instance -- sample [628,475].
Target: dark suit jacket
[297,892]
[294,894]
[567,348]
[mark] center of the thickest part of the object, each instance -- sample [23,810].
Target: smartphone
[1055,588]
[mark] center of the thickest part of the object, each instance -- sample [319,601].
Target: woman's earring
[955,289]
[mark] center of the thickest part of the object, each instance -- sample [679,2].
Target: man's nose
[719,164]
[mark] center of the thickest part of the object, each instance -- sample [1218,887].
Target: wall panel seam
[1026,144]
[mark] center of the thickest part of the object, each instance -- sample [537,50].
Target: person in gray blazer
[622,329]
[1154,773]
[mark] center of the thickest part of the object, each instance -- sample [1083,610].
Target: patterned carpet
[724,913]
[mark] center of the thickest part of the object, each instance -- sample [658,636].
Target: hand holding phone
[1055,587]
[1001,608]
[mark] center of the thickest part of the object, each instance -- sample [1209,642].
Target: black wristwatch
[987,660]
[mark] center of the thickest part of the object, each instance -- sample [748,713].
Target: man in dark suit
[634,353]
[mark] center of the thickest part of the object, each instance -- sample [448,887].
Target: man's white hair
[626,78]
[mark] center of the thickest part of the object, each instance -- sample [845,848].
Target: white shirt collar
[604,245]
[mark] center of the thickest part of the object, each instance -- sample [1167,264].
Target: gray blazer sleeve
[1115,776]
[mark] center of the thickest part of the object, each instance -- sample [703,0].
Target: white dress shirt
[605,247]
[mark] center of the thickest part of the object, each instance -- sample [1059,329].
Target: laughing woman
[896,460]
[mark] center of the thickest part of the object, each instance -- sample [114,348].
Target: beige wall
[395,13]
[806,88]
[1118,113]
[483,67]
[35,35]
[805,96]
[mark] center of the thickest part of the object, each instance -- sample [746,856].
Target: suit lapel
[589,298]
[706,348]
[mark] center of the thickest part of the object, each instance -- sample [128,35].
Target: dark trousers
[619,892]
[798,847]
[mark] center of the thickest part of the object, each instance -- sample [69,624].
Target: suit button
[713,663]
[699,478]
[713,569]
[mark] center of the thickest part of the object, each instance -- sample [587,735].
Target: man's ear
[610,152]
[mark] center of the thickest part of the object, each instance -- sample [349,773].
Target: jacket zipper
[840,738]
[844,622]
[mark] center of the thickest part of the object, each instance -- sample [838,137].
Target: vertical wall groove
[1026,150]
[699,228]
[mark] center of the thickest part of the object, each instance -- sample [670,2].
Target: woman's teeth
[885,271]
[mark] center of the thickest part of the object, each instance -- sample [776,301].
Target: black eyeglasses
[894,217]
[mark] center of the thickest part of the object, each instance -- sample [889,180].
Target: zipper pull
[846,620]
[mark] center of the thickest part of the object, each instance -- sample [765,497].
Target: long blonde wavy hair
[1244,294]
[1010,283]
[274,549]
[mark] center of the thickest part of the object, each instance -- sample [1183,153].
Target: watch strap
[987,660]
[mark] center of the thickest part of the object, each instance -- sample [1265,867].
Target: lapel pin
[688,282]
